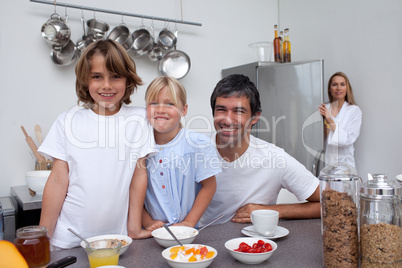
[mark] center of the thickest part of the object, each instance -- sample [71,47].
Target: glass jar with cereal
[380,222]
[339,184]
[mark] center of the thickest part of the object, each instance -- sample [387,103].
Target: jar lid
[378,186]
[338,172]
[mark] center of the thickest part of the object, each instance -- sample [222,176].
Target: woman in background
[343,119]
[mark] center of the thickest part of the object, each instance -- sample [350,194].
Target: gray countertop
[24,199]
[301,248]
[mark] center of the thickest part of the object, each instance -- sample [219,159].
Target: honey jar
[33,243]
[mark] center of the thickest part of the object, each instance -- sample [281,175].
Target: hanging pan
[175,63]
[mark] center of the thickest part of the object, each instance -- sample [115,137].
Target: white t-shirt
[340,146]
[256,177]
[101,152]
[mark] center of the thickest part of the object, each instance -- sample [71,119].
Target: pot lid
[378,186]
[338,172]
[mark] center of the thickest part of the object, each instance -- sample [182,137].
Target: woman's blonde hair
[174,88]
[118,62]
[349,91]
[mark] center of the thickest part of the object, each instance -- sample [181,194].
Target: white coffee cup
[265,221]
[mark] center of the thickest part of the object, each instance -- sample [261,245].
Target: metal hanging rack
[114,12]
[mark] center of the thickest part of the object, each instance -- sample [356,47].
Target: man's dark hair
[237,85]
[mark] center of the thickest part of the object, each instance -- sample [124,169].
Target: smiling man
[254,171]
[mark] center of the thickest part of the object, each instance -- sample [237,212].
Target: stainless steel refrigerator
[290,95]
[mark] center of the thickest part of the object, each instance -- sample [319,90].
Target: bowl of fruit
[189,256]
[251,250]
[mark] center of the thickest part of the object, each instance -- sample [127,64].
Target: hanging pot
[97,29]
[121,34]
[167,39]
[84,42]
[56,32]
[156,53]
[175,63]
[65,56]
[142,41]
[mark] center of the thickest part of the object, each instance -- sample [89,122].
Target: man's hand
[243,213]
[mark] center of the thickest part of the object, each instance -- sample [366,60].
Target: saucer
[279,232]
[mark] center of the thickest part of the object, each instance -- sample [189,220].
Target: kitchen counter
[302,247]
[24,199]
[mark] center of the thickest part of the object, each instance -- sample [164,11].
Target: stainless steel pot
[167,39]
[156,53]
[175,63]
[143,41]
[84,42]
[56,32]
[121,34]
[97,29]
[65,56]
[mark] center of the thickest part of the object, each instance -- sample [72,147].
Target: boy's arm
[204,197]
[54,195]
[138,189]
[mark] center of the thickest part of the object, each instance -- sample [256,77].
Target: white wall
[35,91]
[363,39]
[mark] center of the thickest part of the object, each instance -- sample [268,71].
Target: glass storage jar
[339,184]
[33,243]
[380,222]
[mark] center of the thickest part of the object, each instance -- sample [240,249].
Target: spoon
[214,220]
[257,233]
[77,235]
[38,134]
[172,234]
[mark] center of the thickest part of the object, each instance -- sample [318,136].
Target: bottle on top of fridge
[277,45]
[286,47]
[281,38]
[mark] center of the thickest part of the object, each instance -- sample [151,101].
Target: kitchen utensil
[65,56]
[125,240]
[175,63]
[121,34]
[33,146]
[185,234]
[143,40]
[77,235]
[36,180]
[97,29]
[265,221]
[63,262]
[172,234]
[38,134]
[56,32]
[257,233]
[166,38]
[208,224]
[249,258]
[85,40]
[156,53]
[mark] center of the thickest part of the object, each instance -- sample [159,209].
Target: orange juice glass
[103,252]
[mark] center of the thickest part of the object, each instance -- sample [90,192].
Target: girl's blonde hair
[174,88]
[118,62]
[349,91]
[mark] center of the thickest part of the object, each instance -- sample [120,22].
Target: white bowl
[186,235]
[249,258]
[37,179]
[183,264]
[112,236]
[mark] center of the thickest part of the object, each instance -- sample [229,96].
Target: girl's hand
[183,223]
[152,225]
[324,111]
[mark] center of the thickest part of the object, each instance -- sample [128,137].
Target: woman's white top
[340,142]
